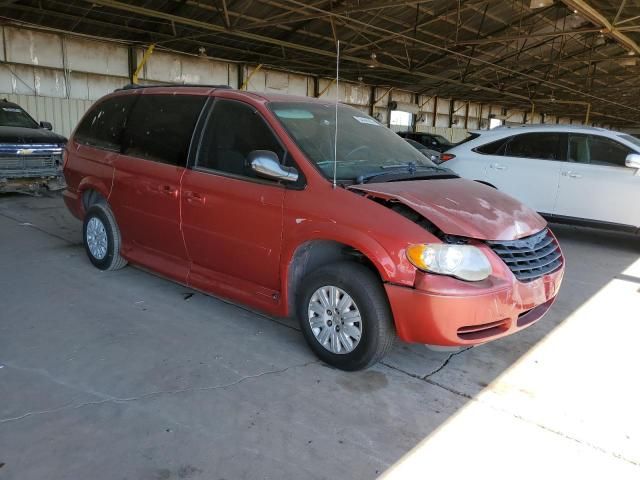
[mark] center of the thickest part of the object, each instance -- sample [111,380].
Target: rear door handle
[169,190]
[194,197]
[571,174]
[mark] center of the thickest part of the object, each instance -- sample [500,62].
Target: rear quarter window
[493,148]
[160,127]
[102,126]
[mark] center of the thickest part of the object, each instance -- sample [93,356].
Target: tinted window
[544,146]
[233,131]
[102,126]
[161,126]
[493,148]
[578,148]
[604,151]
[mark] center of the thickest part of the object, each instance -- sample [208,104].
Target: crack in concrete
[446,362]
[585,443]
[26,223]
[110,399]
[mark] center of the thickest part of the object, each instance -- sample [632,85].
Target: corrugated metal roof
[487,51]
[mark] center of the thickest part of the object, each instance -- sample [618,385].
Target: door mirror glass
[265,163]
[46,125]
[633,160]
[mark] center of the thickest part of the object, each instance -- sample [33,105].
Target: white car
[570,174]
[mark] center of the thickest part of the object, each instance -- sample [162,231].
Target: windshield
[631,139]
[13,116]
[364,145]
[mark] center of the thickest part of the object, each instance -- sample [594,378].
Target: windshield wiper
[410,168]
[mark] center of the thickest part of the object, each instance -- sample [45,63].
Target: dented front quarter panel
[354,220]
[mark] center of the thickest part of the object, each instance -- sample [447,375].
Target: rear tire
[331,300]
[101,238]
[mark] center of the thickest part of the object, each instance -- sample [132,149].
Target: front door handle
[498,166]
[571,174]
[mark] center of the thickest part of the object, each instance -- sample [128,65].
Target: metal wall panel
[31,47]
[78,85]
[2,44]
[100,85]
[452,134]
[174,68]
[50,82]
[89,56]
[95,68]
[22,80]
[401,97]
[354,94]
[232,73]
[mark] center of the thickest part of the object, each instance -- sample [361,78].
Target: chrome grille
[27,163]
[40,161]
[531,257]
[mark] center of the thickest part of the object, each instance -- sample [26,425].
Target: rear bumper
[440,318]
[73,203]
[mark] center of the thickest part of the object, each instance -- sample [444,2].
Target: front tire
[101,238]
[344,315]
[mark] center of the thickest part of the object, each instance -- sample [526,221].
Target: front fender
[351,237]
[390,270]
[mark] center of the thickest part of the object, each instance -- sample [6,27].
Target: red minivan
[250,197]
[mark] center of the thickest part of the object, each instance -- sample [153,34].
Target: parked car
[232,193]
[30,153]
[571,174]
[429,140]
[432,155]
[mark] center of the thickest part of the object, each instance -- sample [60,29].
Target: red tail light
[446,156]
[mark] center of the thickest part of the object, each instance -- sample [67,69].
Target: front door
[146,184]
[595,184]
[232,219]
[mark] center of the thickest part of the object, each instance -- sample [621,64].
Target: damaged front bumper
[437,314]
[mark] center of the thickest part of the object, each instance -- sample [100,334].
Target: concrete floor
[123,375]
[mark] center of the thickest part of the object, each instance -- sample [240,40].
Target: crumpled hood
[29,136]
[462,207]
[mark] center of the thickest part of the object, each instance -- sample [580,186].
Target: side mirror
[633,160]
[266,164]
[46,125]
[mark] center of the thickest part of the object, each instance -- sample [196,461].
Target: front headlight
[461,261]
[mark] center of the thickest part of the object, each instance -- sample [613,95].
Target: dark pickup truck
[30,153]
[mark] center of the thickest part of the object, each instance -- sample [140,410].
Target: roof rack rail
[134,86]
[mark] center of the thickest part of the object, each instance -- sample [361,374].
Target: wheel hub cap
[335,319]
[97,238]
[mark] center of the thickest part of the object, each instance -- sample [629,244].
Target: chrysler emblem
[25,151]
